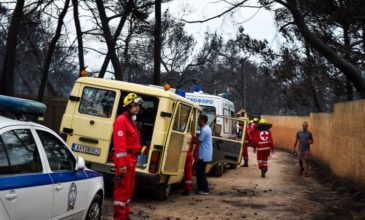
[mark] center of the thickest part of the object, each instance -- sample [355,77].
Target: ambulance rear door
[177,141]
[92,125]
[230,147]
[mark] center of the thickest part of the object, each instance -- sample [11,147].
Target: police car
[40,178]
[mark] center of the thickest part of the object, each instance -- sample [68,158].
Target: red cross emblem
[264,135]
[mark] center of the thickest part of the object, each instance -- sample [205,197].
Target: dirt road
[242,194]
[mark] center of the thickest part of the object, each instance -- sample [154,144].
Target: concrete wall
[339,137]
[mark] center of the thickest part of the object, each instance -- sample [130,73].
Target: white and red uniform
[126,147]
[263,143]
[251,129]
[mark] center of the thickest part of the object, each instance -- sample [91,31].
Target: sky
[258,23]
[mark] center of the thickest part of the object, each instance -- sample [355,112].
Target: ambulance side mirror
[80,163]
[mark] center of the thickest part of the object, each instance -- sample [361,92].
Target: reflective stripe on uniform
[122,154]
[264,148]
[119,203]
[188,181]
[264,142]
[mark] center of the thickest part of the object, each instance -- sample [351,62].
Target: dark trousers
[201,178]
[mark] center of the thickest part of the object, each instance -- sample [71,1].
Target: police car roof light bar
[21,106]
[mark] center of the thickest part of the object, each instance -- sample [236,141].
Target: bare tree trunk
[126,53]
[346,37]
[79,34]
[363,36]
[346,67]
[119,29]
[308,73]
[50,51]
[110,42]
[157,55]
[7,77]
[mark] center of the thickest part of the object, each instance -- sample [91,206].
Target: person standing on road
[262,142]
[205,154]
[127,146]
[305,139]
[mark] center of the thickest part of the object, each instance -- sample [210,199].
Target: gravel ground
[242,194]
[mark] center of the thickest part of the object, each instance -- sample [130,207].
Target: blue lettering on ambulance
[201,101]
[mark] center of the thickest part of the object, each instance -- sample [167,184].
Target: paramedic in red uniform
[188,180]
[262,143]
[127,145]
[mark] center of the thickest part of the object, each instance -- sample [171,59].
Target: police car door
[227,147]
[70,185]
[26,189]
[177,141]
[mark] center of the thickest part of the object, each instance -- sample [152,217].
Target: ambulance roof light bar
[21,106]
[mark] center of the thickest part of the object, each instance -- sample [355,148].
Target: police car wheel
[162,191]
[94,212]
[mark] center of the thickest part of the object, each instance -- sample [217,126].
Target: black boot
[186,192]
[245,164]
[263,171]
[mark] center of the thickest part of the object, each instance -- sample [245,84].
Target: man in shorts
[305,139]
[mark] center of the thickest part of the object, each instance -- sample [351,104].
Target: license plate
[86,149]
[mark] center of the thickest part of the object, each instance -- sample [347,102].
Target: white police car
[40,178]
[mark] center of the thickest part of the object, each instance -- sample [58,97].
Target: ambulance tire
[218,170]
[162,191]
[232,166]
[94,211]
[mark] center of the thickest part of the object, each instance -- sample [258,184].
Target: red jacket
[126,136]
[262,140]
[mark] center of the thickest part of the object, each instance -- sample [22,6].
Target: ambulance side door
[177,141]
[228,148]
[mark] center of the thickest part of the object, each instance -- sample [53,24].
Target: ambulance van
[165,122]
[213,105]
[220,112]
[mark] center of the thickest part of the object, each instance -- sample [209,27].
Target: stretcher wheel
[218,170]
[162,191]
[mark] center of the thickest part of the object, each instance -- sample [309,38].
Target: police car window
[21,152]
[4,160]
[181,118]
[97,102]
[59,158]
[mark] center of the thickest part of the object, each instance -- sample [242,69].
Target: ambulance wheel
[218,170]
[94,212]
[162,191]
[232,166]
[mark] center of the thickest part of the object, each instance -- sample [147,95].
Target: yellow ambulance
[166,122]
